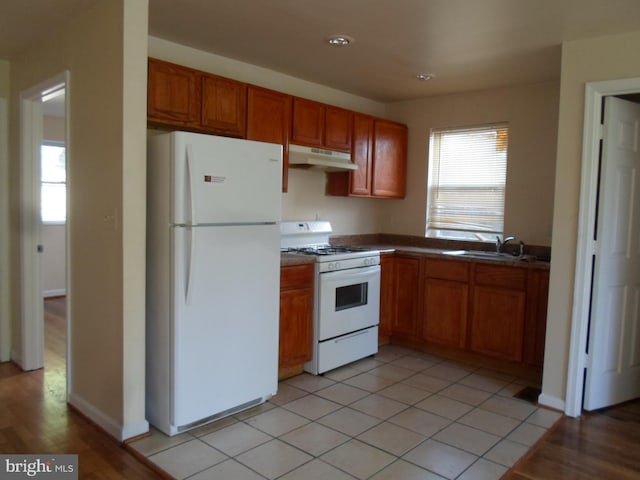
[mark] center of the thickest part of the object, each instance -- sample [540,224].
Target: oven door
[349,300]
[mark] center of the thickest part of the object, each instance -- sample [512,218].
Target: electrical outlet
[110,221]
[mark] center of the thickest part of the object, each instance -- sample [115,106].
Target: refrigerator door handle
[190,186]
[190,265]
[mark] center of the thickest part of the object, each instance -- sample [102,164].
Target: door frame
[31,354]
[585,247]
[5,279]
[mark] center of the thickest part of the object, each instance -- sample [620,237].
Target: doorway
[595,93]
[36,105]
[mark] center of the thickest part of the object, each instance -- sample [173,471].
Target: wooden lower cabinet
[405,284]
[535,328]
[498,311]
[497,323]
[445,296]
[387,299]
[296,317]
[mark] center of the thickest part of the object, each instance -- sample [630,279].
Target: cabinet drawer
[500,276]
[447,270]
[296,276]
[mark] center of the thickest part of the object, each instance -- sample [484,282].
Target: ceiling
[466,44]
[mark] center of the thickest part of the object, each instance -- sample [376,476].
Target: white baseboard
[551,402]
[59,292]
[108,424]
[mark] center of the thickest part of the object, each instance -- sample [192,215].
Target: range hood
[312,157]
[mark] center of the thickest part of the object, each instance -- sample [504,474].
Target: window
[53,187]
[467,175]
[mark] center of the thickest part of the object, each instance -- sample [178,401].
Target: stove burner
[325,250]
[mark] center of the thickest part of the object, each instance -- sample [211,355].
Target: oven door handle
[350,336]
[352,273]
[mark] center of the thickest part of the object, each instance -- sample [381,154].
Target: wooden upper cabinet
[318,125]
[269,120]
[361,155]
[379,149]
[389,177]
[338,127]
[182,97]
[308,122]
[224,106]
[173,94]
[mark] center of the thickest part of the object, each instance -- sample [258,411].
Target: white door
[613,374]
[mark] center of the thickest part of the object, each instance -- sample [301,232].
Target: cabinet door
[389,159]
[338,128]
[296,315]
[361,155]
[224,105]
[498,311]
[296,320]
[387,294]
[269,120]
[498,322]
[445,302]
[406,282]
[445,312]
[536,326]
[308,122]
[173,95]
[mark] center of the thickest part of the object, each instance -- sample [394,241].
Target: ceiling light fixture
[339,40]
[425,76]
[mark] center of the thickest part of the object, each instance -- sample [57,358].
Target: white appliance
[313,157]
[347,295]
[213,270]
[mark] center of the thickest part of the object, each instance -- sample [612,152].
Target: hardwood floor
[600,445]
[35,418]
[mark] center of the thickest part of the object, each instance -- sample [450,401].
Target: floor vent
[529,394]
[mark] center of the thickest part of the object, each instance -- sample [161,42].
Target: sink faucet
[500,243]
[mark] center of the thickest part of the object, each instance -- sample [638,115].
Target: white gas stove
[347,295]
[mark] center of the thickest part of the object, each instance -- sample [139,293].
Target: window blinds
[467,174]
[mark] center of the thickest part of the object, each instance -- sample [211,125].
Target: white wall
[105,50]
[305,198]
[604,58]
[530,110]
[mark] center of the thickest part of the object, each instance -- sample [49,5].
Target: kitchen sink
[486,255]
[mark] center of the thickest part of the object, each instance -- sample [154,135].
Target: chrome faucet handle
[521,248]
[500,243]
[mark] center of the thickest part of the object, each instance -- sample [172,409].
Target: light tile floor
[400,415]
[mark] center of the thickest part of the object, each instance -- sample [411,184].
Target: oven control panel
[348,263]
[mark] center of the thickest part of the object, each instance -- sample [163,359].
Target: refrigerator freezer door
[221,180]
[226,316]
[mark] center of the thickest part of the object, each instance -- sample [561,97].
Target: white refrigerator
[213,277]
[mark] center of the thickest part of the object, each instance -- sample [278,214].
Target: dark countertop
[288,259]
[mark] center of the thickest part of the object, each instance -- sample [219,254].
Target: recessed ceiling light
[425,76]
[339,40]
